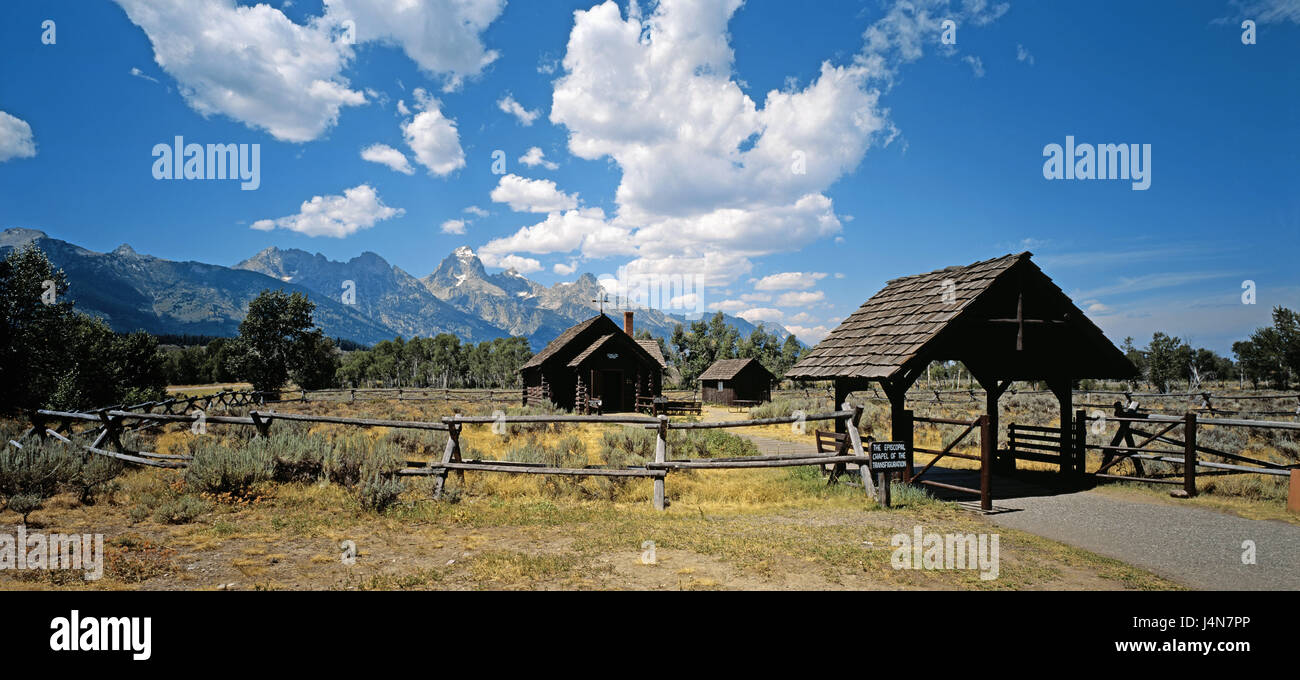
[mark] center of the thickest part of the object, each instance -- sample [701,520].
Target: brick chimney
[627,323]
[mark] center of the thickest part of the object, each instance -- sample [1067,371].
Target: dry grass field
[284,527]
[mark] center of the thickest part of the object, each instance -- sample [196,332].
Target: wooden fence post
[452,450]
[855,439]
[908,435]
[263,426]
[1189,454]
[1080,441]
[987,445]
[1293,493]
[661,455]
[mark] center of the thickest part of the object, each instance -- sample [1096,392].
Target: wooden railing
[108,424]
[1187,454]
[1045,444]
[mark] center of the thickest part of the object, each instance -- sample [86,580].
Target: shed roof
[726,369]
[948,314]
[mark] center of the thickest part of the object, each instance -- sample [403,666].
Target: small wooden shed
[730,380]
[594,360]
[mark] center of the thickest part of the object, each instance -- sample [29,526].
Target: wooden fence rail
[1134,443]
[111,423]
[663,463]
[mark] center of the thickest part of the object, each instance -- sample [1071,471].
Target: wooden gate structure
[985,457]
[1004,319]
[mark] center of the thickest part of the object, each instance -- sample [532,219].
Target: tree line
[1270,357]
[693,349]
[441,361]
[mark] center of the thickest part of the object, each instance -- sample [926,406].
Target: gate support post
[1065,397]
[1189,454]
[661,455]
[1293,494]
[903,432]
[1080,442]
[987,444]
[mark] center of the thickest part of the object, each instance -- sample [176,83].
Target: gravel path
[1197,547]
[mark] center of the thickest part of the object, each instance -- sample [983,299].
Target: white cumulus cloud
[384,154]
[789,281]
[535,157]
[757,314]
[252,64]
[523,265]
[532,195]
[514,108]
[453,227]
[16,140]
[433,138]
[443,37]
[801,298]
[257,66]
[337,216]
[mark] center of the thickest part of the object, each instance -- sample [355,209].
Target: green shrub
[218,469]
[298,457]
[709,444]
[568,452]
[635,441]
[26,503]
[379,491]
[344,458]
[785,407]
[31,475]
[91,473]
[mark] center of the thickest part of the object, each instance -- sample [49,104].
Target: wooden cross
[602,300]
[1020,319]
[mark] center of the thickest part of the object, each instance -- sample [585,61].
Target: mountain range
[133,291]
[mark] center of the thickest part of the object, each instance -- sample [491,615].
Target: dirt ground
[295,540]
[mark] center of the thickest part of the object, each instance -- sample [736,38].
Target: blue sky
[669,148]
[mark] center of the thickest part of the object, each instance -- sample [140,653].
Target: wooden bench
[656,406]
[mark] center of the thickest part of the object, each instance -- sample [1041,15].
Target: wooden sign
[888,456]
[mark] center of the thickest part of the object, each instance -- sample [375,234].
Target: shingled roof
[904,325]
[563,339]
[649,347]
[726,369]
